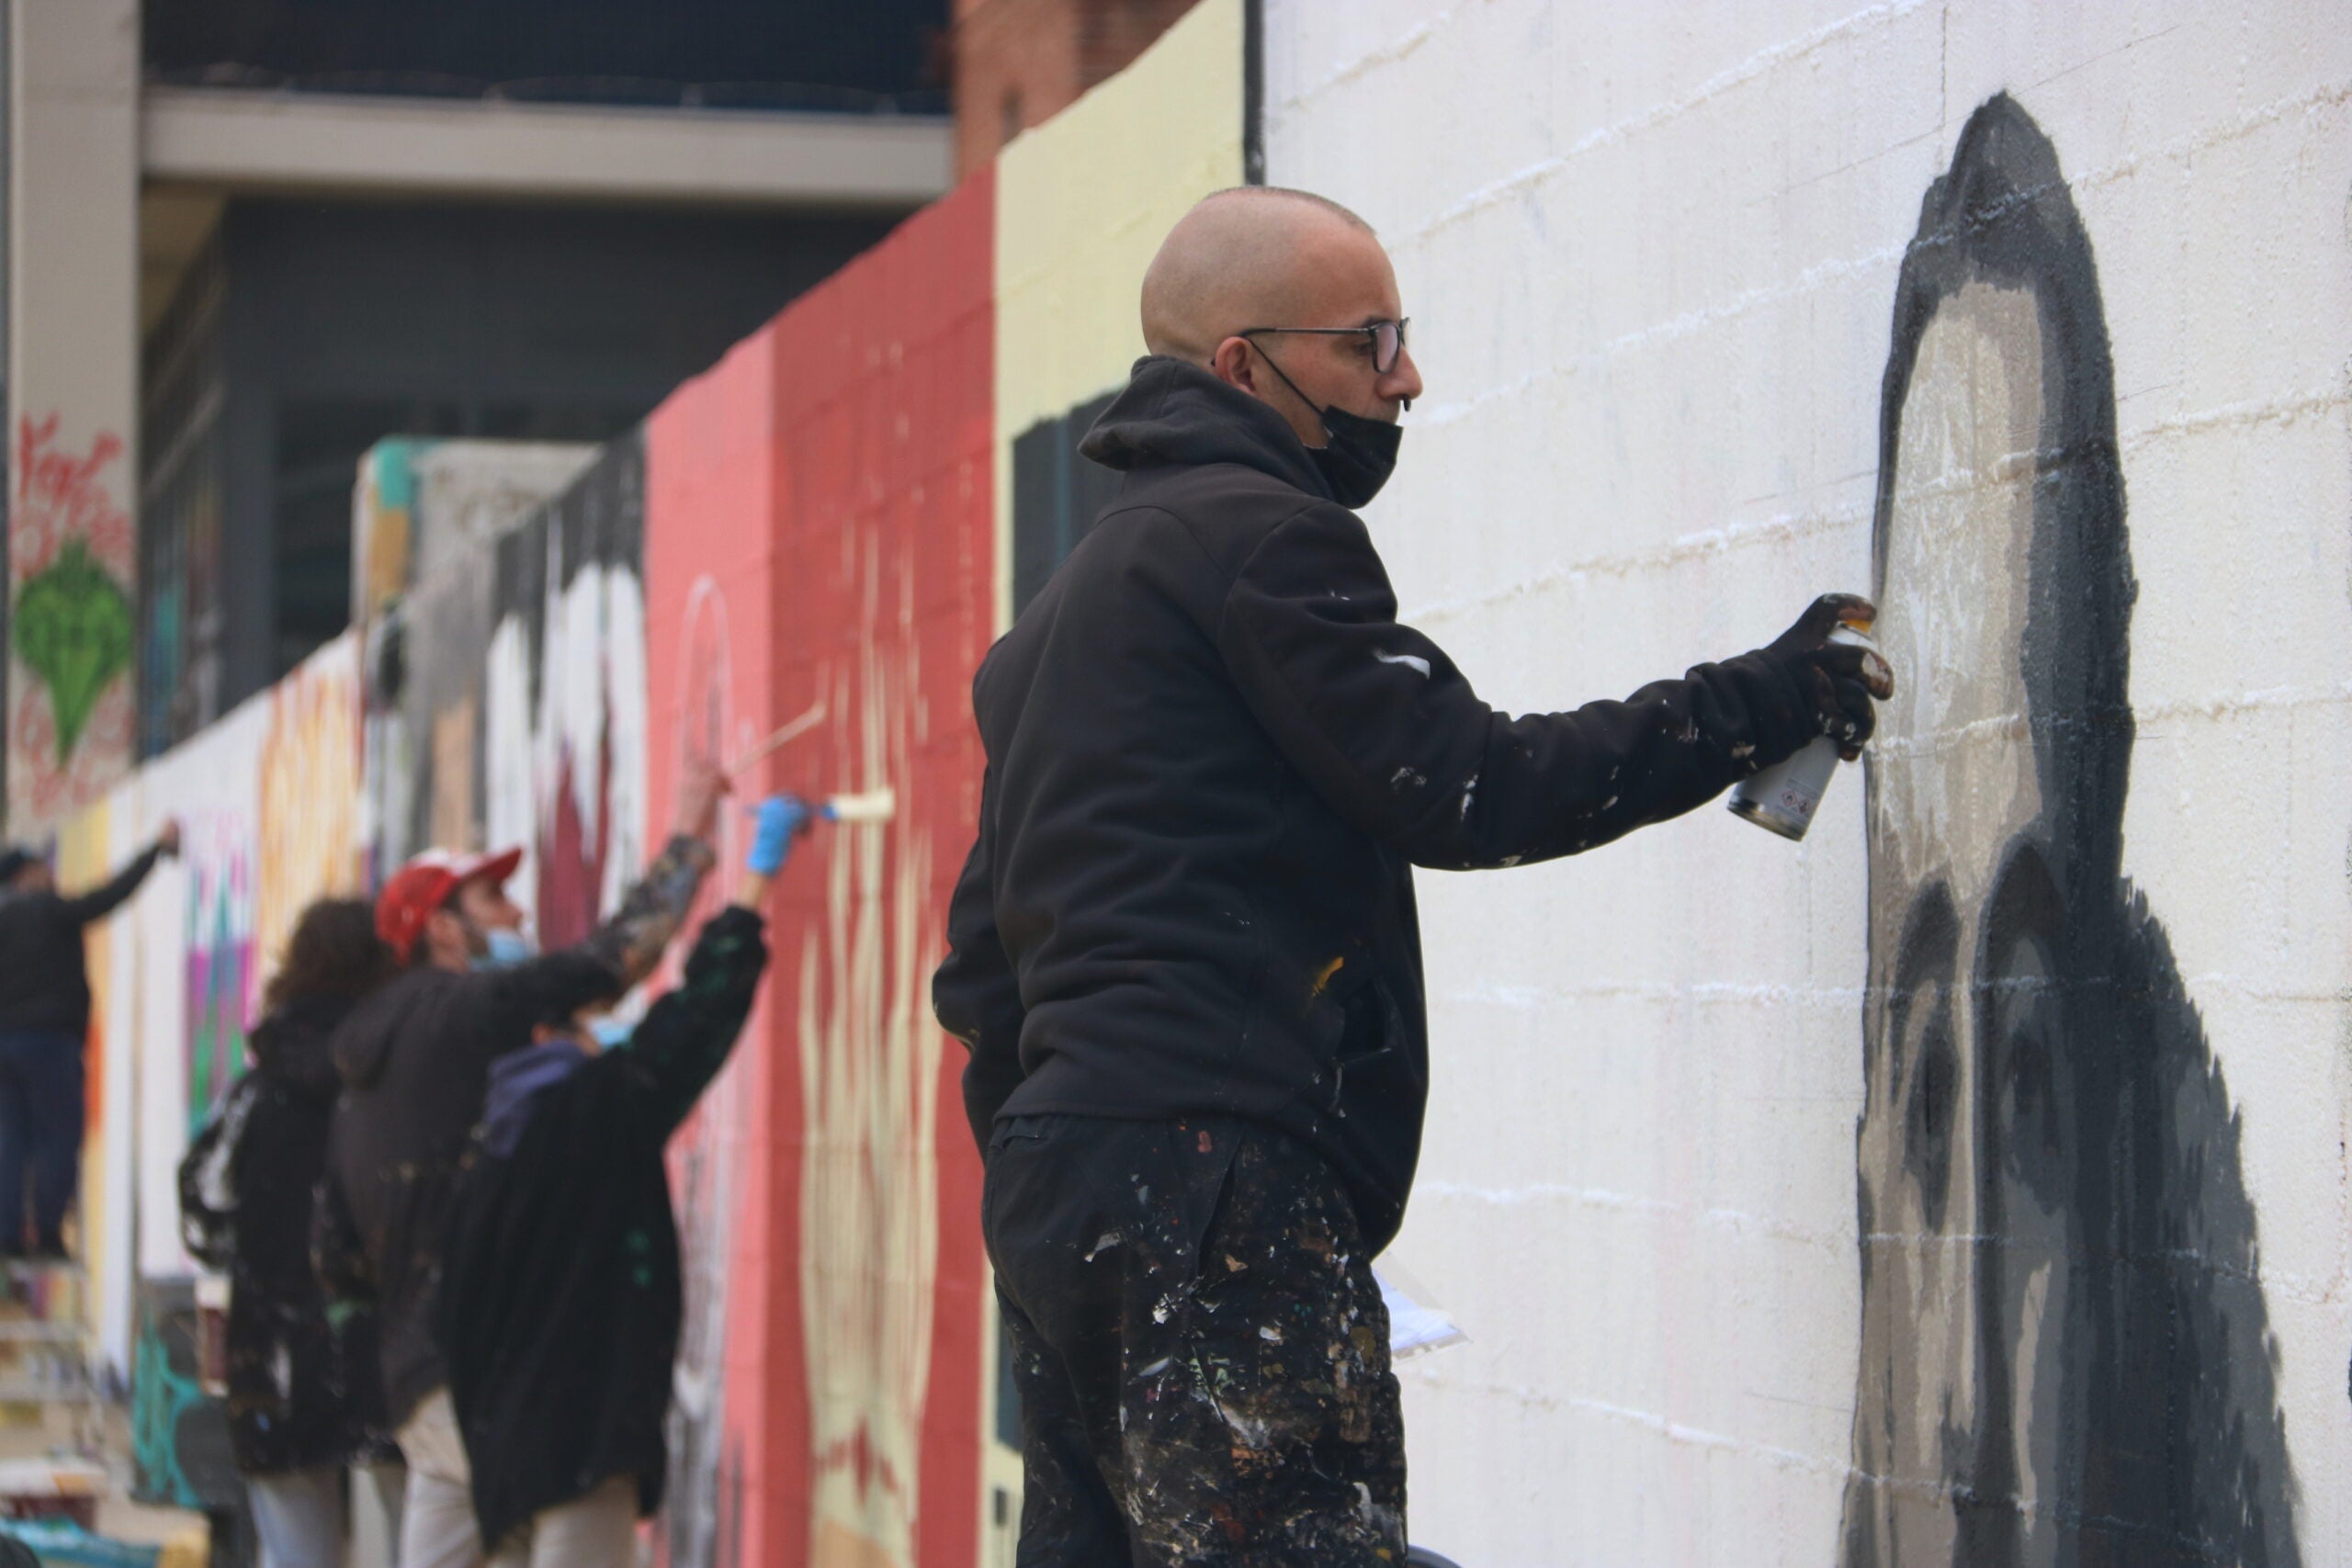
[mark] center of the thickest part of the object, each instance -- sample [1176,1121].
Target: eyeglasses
[1387,338]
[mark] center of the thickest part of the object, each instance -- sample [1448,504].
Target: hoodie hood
[294,1044]
[364,1043]
[517,1081]
[1172,412]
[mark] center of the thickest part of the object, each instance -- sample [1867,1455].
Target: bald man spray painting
[2065,1358]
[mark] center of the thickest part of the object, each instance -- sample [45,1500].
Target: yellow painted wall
[1083,202]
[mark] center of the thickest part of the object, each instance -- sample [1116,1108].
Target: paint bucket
[1783,797]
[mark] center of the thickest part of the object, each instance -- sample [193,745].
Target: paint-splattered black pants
[1200,1350]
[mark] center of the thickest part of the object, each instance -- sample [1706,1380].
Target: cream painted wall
[1082,203]
[1651,256]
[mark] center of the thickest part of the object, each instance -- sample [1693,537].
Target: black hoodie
[44,975]
[1213,756]
[303,1389]
[560,1300]
[415,1061]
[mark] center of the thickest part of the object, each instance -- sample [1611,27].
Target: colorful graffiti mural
[2076,1118]
[531,670]
[311,791]
[564,725]
[712,613]
[427,517]
[221,971]
[709,1157]
[70,560]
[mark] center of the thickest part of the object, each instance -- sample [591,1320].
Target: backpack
[208,1187]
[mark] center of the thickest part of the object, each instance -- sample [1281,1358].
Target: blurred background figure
[306,1406]
[561,1298]
[416,1061]
[44,1014]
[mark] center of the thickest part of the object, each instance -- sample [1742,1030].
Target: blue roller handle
[780,816]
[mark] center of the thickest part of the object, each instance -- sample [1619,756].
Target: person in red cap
[415,1060]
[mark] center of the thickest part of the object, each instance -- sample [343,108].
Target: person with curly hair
[305,1403]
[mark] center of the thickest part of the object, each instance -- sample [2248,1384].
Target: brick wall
[1020,62]
[1990,1144]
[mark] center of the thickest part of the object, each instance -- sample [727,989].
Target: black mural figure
[2065,1356]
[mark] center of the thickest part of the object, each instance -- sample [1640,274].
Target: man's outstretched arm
[1391,735]
[103,900]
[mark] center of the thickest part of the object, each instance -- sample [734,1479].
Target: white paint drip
[1410,661]
[869,1069]
[1607,1198]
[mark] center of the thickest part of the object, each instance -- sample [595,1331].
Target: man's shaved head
[1241,258]
[1259,258]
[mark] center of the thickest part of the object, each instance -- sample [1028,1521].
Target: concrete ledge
[240,140]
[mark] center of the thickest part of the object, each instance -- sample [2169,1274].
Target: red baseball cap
[426,883]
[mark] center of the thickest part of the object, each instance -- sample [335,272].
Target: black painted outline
[2169,1446]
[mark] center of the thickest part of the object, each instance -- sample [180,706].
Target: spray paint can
[1784,796]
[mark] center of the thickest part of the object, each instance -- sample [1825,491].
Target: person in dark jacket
[560,1300]
[306,1405]
[1183,952]
[44,1023]
[415,1061]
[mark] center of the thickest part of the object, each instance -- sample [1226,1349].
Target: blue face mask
[611,1033]
[506,949]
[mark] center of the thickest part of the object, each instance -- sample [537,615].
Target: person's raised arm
[686,1036]
[1388,731]
[975,994]
[623,949]
[103,900]
[633,939]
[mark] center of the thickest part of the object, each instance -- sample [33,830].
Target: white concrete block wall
[1651,256]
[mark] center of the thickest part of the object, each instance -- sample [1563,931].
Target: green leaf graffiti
[72,628]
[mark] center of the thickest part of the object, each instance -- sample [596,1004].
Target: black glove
[1839,681]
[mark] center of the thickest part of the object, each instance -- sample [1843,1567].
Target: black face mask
[1362,453]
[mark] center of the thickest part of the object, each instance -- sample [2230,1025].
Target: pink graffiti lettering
[61,494]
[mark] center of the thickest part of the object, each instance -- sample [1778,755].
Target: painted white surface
[1650,262]
[272,140]
[210,786]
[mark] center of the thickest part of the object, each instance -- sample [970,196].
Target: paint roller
[865,806]
[782,738]
[871,806]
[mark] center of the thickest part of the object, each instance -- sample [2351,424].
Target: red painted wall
[832,483]
[709,557]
